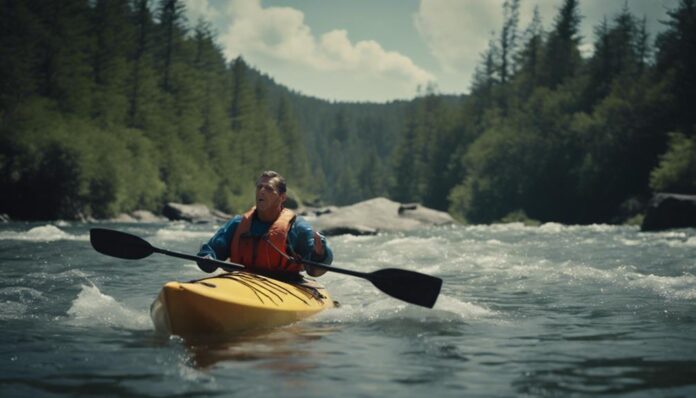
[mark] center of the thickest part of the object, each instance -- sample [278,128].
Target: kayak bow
[235,302]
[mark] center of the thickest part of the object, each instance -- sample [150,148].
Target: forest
[112,106]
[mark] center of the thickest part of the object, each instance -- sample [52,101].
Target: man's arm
[322,254]
[310,245]
[218,247]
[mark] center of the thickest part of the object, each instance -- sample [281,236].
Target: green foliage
[118,110]
[494,164]
[561,56]
[677,169]
[570,139]
[521,217]
[676,58]
[422,159]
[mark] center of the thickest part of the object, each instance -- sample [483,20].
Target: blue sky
[381,50]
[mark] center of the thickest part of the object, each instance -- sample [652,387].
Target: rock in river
[378,214]
[667,210]
[196,213]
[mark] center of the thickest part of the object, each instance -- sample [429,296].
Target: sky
[382,50]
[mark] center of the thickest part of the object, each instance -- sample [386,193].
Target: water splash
[371,305]
[465,310]
[16,301]
[671,287]
[93,308]
[623,277]
[45,233]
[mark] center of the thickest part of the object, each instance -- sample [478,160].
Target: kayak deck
[235,302]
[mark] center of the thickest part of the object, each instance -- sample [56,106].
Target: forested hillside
[107,107]
[112,106]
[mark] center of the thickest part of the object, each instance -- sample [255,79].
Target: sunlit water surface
[538,311]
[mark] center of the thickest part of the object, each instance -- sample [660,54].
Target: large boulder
[195,213]
[139,216]
[668,210]
[375,215]
[147,216]
[123,218]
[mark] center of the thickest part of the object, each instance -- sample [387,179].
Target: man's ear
[283,197]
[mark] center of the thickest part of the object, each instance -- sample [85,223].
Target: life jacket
[267,253]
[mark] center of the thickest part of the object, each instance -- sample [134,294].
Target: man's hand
[318,245]
[319,253]
[314,271]
[206,266]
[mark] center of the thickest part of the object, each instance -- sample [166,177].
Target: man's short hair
[276,180]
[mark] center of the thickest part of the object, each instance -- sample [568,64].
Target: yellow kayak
[235,302]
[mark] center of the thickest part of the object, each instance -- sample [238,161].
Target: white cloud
[268,36]
[200,9]
[279,42]
[457,32]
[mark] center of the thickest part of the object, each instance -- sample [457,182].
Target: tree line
[112,106]
[553,135]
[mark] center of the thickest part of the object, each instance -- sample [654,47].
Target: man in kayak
[268,238]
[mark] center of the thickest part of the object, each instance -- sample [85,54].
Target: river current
[524,311]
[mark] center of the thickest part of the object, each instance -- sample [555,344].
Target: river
[534,311]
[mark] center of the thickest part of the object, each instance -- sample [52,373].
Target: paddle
[124,245]
[409,286]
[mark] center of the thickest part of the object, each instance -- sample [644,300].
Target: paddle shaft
[335,269]
[227,266]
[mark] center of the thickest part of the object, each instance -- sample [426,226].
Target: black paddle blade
[409,286]
[119,244]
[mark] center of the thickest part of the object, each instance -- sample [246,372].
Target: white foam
[671,239]
[551,227]
[494,242]
[690,242]
[598,227]
[64,276]
[630,242]
[12,310]
[463,309]
[46,233]
[16,300]
[625,277]
[361,302]
[506,227]
[409,241]
[168,234]
[353,238]
[671,287]
[93,308]
[24,294]
[666,234]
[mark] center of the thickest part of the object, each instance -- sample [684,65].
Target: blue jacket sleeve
[328,253]
[301,239]
[218,247]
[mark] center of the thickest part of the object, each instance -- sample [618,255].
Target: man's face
[267,196]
